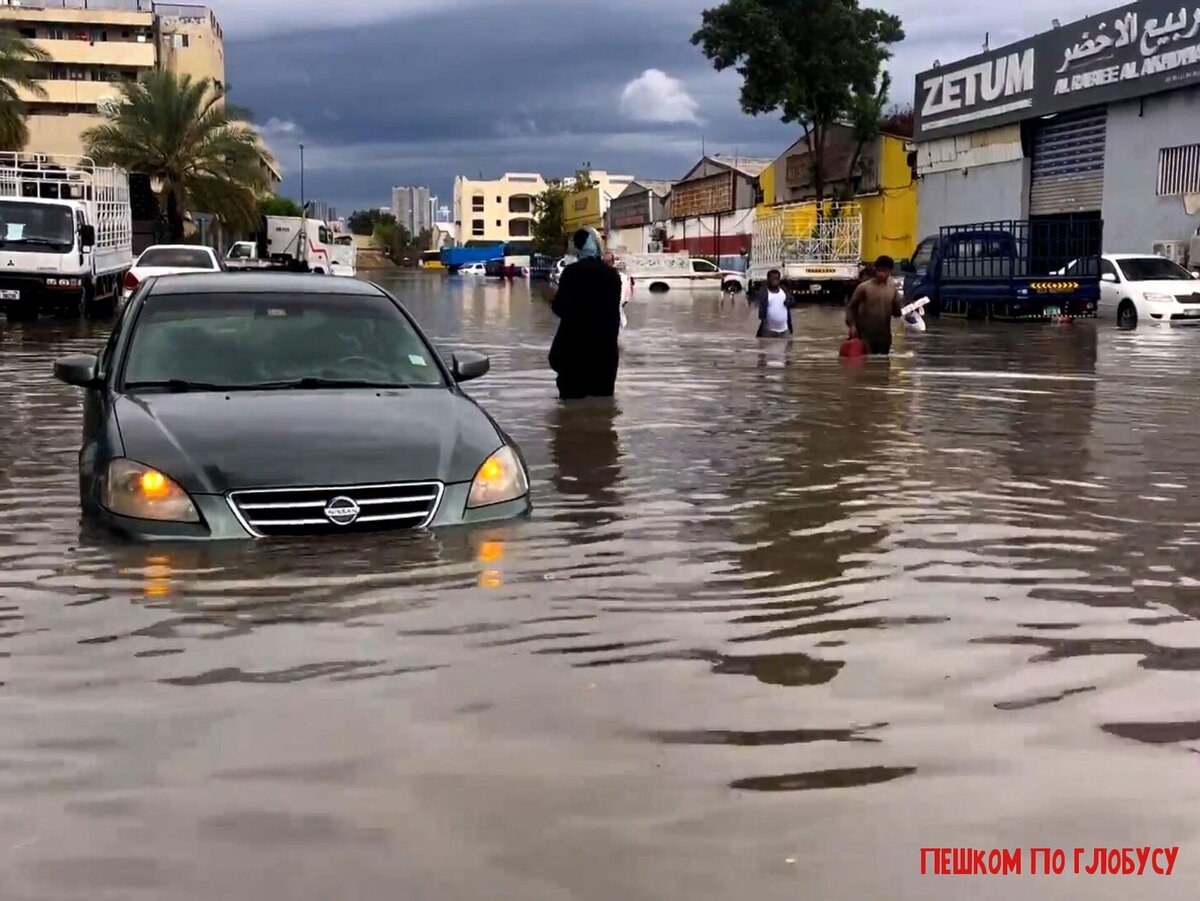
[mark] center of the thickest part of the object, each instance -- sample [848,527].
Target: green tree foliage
[178,130]
[816,62]
[549,211]
[20,59]
[279,206]
[401,247]
[363,222]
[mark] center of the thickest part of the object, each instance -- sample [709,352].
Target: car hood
[213,442]
[1173,287]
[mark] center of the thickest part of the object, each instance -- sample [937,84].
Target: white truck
[306,245]
[817,247]
[66,235]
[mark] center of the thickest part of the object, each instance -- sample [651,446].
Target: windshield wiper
[183,385]
[309,383]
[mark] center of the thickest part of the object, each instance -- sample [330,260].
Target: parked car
[1138,287]
[473,270]
[248,405]
[171,259]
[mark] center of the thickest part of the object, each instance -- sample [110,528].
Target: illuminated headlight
[63,282]
[1159,298]
[142,492]
[501,478]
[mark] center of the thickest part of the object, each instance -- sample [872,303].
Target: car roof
[1133,256]
[261,283]
[177,247]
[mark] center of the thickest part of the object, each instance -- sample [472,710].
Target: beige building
[501,209]
[93,51]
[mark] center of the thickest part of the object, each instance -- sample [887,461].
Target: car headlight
[142,492]
[501,478]
[1158,298]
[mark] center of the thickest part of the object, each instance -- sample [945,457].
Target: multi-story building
[1091,122]
[413,208]
[499,209]
[94,51]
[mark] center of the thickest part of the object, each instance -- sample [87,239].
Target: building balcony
[86,92]
[116,54]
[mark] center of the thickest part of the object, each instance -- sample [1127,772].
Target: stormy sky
[385,92]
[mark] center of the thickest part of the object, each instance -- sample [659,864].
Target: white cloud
[654,96]
[279,128]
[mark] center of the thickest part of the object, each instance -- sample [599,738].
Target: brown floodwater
[777,623]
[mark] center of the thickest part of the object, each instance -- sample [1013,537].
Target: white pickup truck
[817,247]
[66,235]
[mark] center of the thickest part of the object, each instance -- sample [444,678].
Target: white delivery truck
[817,248]
[301,245]
[66,235]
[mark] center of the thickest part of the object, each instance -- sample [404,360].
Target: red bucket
[853,347]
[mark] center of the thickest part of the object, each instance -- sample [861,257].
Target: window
[1153,269]
[477,203]
[276,339]
[38,226]
[179,41]
[519,228]
[30,33]
[1107,268]
[703,266]
[477,228]
[923,255]
[239,252]
[175,258]
[499,200]
[499,223]
[324,235]
[1179,170]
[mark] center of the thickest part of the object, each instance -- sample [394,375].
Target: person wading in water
[775,304]
[588,306]
[871,309]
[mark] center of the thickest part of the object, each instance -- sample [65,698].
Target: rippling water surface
[776,625]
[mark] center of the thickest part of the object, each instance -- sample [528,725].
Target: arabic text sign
[1138,49]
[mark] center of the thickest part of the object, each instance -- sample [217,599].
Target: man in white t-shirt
[626,286]
[775,304]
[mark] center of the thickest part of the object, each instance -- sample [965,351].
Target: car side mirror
[469,365]
[79,371]
[87,236]
[1108,277]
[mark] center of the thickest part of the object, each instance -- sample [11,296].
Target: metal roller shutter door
[1068,163]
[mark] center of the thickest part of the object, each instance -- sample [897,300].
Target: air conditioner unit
[654,247]
[1175,251]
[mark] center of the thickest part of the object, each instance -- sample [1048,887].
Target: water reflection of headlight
[490,552]
[156,577]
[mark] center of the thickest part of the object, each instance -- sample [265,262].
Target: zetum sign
[1132,51]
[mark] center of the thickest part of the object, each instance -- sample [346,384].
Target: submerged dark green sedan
[254,405]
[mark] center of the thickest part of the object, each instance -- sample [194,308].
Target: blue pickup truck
[1007,270]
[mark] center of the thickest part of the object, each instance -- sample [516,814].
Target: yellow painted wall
[583,210]
[890,216]
[766,181]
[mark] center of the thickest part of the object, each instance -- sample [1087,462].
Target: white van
[660,272]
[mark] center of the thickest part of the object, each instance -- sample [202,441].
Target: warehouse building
[1097,119]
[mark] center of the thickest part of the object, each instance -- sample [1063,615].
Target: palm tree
[19,62]
[180,132]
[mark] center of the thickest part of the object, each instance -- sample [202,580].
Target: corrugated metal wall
[1068,163]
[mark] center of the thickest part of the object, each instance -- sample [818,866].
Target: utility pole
[301,176]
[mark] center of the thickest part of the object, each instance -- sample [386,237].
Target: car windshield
[278,340]
[1153,269]
[175,258]
[36,223]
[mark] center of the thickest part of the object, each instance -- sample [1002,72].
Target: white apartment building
[413,208]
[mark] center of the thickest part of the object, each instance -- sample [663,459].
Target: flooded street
[776,624]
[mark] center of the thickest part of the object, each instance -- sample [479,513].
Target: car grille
[358,508]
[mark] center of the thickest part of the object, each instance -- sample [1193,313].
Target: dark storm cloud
[416,91]
[420,99]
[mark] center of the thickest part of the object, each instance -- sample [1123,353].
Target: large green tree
[817,62]
[279,206]
[363,222]
[549,213]
[20,59]
[179,131]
